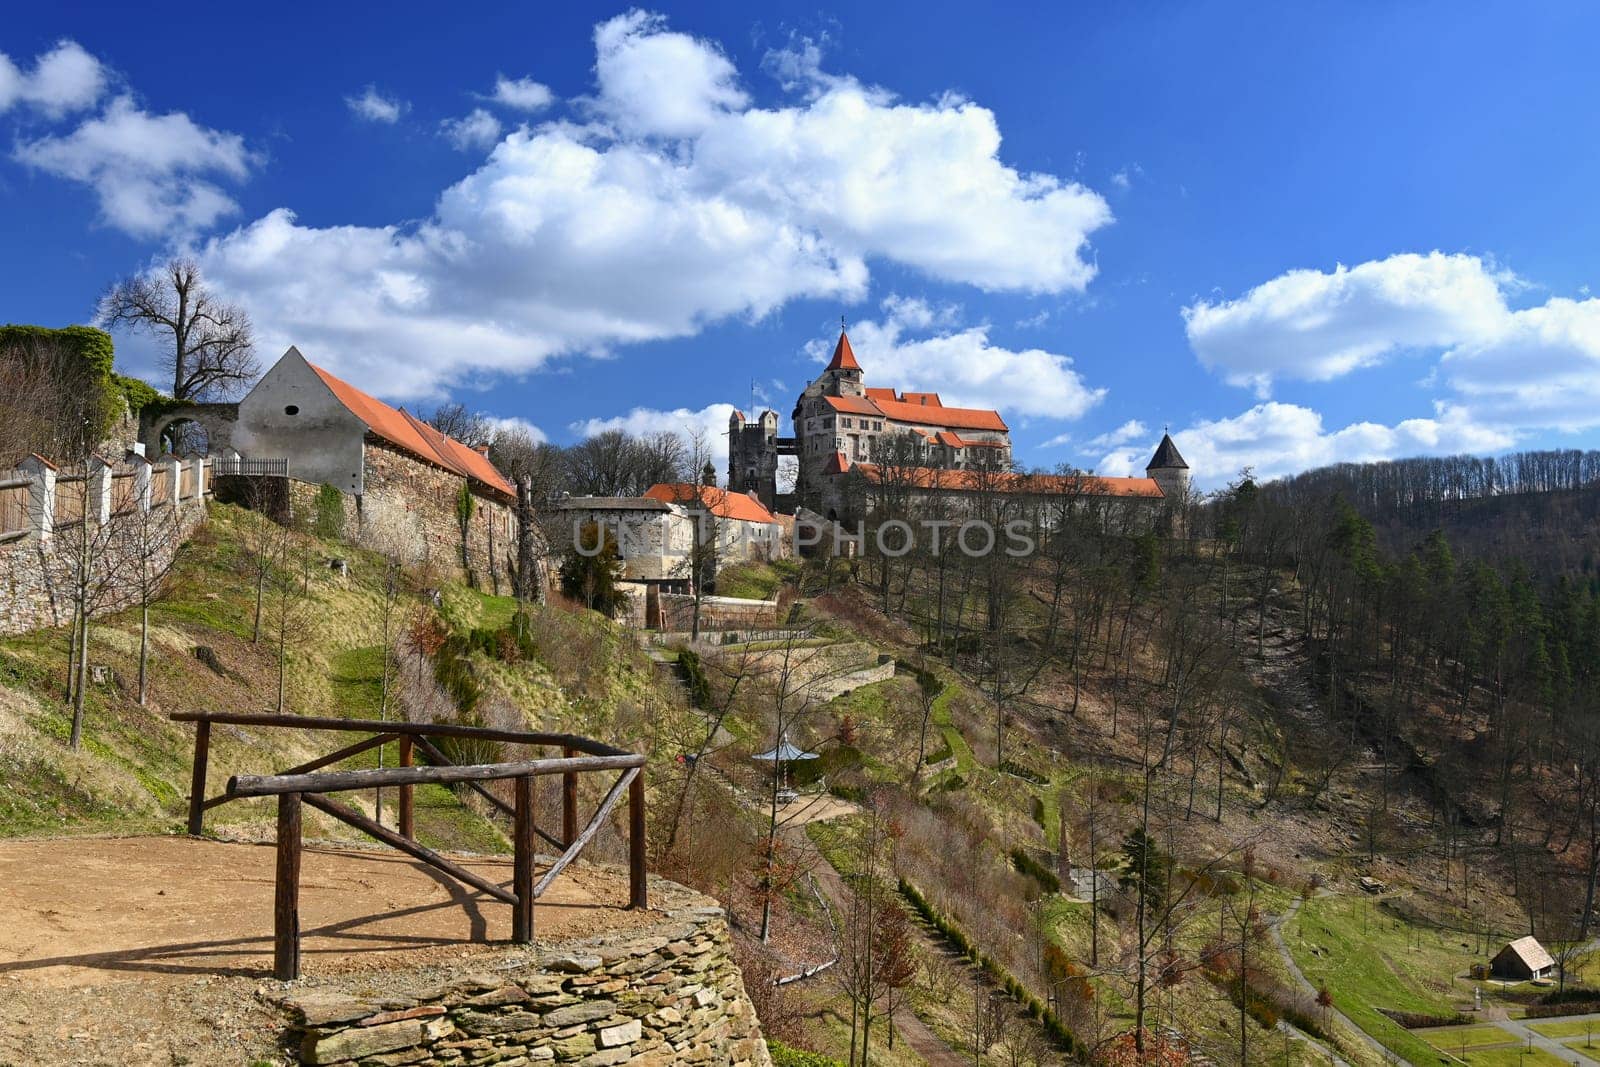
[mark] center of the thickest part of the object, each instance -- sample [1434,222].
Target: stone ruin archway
[210,432]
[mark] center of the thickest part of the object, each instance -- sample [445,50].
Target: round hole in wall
[292,409]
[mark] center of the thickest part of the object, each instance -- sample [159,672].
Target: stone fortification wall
[669,993]
[130,523]
[404,496]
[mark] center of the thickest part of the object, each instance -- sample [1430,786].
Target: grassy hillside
[132,771]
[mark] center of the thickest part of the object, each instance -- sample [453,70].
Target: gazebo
[782,756]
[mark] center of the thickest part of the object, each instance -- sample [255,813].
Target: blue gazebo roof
[784,753]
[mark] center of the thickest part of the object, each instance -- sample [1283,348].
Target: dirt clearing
[83,910]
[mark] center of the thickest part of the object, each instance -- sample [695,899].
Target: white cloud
[1512,371]
[1129,432]
[1317,326]
[523,94]
[1276,439]
[478,130]
[962,365]
[153,174]
[1542,370]
[709,422]
[655,82]
[513,423]
[373,106]
[63,80]
[1123,179]
[1060,440]
[684,207]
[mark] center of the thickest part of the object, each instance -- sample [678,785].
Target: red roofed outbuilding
[403,478]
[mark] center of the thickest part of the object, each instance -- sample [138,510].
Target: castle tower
[1168,470]
[753,455]
[843,373]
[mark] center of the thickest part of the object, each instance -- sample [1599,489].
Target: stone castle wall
[132,530]
[36,589]
[404,496]
[665,994]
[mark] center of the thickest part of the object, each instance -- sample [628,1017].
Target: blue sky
[1296,234]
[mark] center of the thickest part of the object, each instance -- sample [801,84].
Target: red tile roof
[930,400]
[854,405]
[844,358]
[415,436]
[875,393]
[720,502]
[929,415]
[958,480]
[924,414]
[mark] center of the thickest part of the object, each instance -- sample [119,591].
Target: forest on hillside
[1541,509]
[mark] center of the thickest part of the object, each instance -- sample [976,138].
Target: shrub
[1027,774]
[694,676]
[1026,864]
[1568,1007]
[328,513]
[465,751]
[1416,1020]
[1005,979]
[454,674]
[788,1056]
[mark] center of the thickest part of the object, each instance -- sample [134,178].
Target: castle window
[292,409]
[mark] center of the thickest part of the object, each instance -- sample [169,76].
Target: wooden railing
[308,784]
[14,496]
[161,485]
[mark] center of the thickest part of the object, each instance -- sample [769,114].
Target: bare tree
[875,947]
[212,351]
[148,538]
[454,420]
[94,567]
[52,400]
[291,585]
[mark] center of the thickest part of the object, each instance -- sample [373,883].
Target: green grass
[1369,960]
[755,580]
[1567,1028]
[1454,1039]
[1517,1056]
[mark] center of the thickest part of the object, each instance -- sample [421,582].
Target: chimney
[482,450]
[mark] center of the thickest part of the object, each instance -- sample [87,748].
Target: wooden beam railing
[307,784]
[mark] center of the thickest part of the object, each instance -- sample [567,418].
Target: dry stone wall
[665,994]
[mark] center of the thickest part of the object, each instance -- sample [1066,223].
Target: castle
[842,425]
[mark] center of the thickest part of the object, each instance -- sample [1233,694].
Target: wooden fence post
[569,802]
[286,899]
[638,895]
[522,861]
[407,815]
[197,777]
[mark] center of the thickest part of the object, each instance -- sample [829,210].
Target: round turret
[1168,470]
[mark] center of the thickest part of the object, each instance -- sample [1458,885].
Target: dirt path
[80,911]
[807,809]
[1304,983]
[1526,1035]
[916,1033]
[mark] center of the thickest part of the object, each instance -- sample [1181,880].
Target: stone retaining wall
[717,612]
[36,576]
[665,994]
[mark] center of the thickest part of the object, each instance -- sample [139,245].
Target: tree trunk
[144,650]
